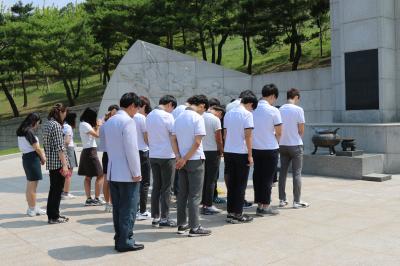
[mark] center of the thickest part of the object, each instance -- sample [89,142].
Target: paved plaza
[349,223]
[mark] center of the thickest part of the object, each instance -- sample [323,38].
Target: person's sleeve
[248,122]
[277,119]
[129,136]
[170,123]
[86,127]
[102,144]
[173,132]
[217,124]
[302,120]
[143,127]
[200,128]
[58,139]
[30,137]
[226,121]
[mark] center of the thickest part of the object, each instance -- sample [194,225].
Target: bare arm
[218,139]
[95,132]
[278,132]
[146,138]
[175,147]
[40,152]
[249,143]
[67,140]
[301,129]
[196,144]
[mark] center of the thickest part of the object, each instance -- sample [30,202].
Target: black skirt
[31,164]
[89,164]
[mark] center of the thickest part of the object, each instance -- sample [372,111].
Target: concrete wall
[371,138]
[8,138]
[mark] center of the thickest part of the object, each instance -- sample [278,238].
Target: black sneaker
[247,204]
[57,221]
[230,217]
[182,229]
[98,202]
[266,211]
[89,202]
[244,218]
[200,231]
[167,223]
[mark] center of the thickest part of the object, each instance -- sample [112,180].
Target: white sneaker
[283,203]
[40,211]
[108,207]
[301,204]
[31,212]
[101,201]
[143,216]
[65,196]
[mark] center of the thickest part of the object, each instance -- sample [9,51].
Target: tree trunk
[47,84]
[10,99]
[71,86]
[220,45]
[320,36]
[78,89]
[292,49]
[24,89]
[212,39]
[68,91]
[202,45]
[244,50]
[184,40]
[250,63]
[297,56]
[106,67]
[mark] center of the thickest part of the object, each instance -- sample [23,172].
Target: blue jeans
[125,198]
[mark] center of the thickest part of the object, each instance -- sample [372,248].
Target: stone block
[336,42]
[153,53]
[327,100]
[310,100]
[392,163]
[388,33]
[389,116]
[212,87]
[387,63]
[361,116]
[355,10]
[345,167]
[350,153]
[387,8]
[207,70]
[335,15]
[182,78]
[393,139]
[361,35]
[376,177]
[387,94]
[322,78]
[337,69]
[326,116]
[174,56]
[234,85]
[134,55]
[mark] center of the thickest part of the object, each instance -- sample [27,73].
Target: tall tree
[320,16]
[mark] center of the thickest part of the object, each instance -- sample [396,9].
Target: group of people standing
[188,139]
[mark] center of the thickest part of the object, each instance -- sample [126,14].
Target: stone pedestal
[342,166]
[349,153]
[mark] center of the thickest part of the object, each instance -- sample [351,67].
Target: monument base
[349,153]
[343,166]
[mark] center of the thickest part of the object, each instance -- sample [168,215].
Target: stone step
[376,177]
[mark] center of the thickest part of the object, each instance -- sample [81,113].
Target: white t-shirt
[67,130]
[265,117]
[178,110]
[212,124]
[292,115]
[234,104]
[88,141]
[141,129]
[25,142]
[188,125]
[235,122]
[159,124]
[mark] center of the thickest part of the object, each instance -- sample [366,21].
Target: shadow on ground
[80,252]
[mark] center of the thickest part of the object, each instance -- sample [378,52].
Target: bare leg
[87,186]
[67,185]
[98,185]
[31,193]
[106,191]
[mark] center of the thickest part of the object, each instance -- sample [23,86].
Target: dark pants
[190,183]
[211,166]
[238,172]
[163,176]
[56,188]
[265,163]
[145,183]
[125,197]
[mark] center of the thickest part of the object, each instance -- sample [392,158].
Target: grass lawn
[39,100]
[9,151]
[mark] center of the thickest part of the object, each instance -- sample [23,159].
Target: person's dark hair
[70,119]
[55,112]
[144,101]
[250,99]
[166,99]
[246,93]
[29,122]
[199,99]
[218,108]
[128,99]
[113,107]
[89,116]
[292,93]
[270,89]
[213,102]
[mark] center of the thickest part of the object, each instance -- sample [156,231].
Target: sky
[39,3]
